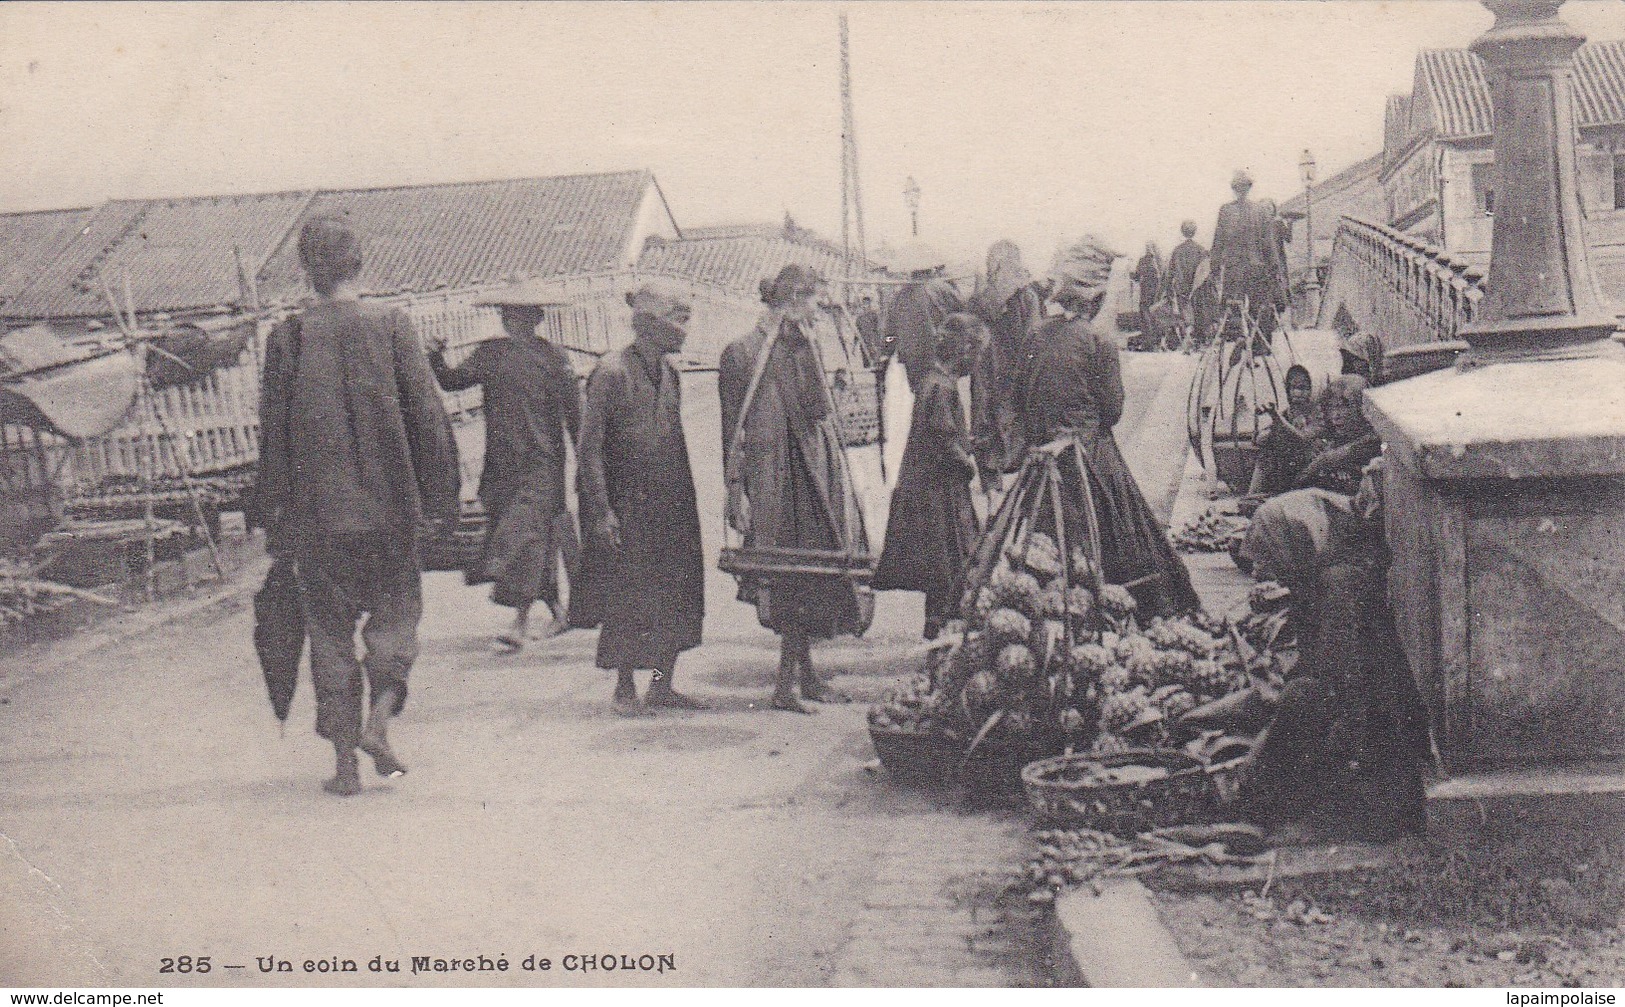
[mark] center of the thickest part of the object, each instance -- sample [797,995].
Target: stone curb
[1117,939]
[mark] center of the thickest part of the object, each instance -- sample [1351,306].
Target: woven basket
[857,404]
[1061,791]
[918,758]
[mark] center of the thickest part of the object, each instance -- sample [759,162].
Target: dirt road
[150,810]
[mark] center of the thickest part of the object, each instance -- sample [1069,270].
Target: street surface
[150,809]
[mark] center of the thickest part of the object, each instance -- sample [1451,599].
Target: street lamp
[911,196]
[1311,280]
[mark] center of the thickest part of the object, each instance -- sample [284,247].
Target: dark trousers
[371,576]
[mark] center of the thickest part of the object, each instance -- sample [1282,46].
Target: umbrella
[279,634]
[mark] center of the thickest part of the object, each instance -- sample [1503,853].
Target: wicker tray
[1060,790]
[917,758]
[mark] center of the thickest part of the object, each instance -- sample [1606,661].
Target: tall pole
[1311,282]
[851,188]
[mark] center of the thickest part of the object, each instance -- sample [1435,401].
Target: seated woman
[1291,443]
[1350,444]
[1343,756]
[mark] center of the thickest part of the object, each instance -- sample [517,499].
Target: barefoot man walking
[355,451]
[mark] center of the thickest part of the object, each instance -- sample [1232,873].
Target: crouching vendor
[1343,756]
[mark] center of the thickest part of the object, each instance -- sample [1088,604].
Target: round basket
[918,758]
[1065,792]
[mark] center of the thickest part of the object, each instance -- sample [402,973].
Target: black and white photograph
[727,495]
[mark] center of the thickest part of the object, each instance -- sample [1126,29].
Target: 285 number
[185,964]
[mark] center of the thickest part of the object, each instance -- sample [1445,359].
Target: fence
[1404,289]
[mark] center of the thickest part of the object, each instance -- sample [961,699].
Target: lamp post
[1311,280]
[911,196]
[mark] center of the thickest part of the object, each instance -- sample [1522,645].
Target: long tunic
[530,403]
[1074,388]
[649,593]
[791,476]
[995,388]
[912,324]
[932,529]
[1180,280]
[1246,247]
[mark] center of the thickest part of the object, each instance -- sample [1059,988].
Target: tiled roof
[429,237]
[741,257]
[1452,83]
[30,240]
[174,254]
[177,254]
[1599,70]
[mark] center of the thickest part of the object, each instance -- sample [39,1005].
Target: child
[933,528]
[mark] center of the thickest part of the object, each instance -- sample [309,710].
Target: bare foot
[383,757]
[343,786]
[508,643]
[673,700]
[816,691]
[626,703]
[789,704]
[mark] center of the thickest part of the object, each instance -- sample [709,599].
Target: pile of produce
[1213,530]
[1044,667]
[1069,857]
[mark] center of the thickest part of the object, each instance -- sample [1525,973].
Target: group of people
[1180,299]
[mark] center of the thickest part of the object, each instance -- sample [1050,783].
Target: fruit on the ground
[1089,661]
[1115,679]
[1211,678]
[1107,743]
[1017,589]
[1174,701]
[1179,634]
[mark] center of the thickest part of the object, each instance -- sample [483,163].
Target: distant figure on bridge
[912,325]
[868,323]
[1247,254]
[1147,274]
[531,404]
[643,574]
[1182,283]
[1074,389]
[933,528]
[1013,309]
[356,451]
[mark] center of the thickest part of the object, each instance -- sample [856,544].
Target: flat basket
[1063,793]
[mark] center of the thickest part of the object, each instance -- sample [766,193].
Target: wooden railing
[1398,286]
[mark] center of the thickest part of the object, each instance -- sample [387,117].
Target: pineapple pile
[1047,666]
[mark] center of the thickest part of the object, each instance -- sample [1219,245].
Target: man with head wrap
[355,452]
[1010,305]
[644,575]
[783,463]
[530,403]
[1074,388]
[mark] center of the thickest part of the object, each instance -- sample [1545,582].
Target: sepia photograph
[924,494]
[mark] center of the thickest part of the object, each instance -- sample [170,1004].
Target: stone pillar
[1506,476]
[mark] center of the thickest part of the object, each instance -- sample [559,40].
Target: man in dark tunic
[355,451]
[869,329]
[785,479]
[644,574]
[531,403]
[1182,284]
[1147,274]
[1246,253]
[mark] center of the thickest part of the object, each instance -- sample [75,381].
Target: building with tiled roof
[29,241]
[211,253]
[737,258]
[1438,165]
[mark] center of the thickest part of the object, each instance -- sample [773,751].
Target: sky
[1036,122]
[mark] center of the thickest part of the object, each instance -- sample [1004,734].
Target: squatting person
[355,451]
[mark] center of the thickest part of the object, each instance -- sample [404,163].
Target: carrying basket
[1069,791]
[458,550]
